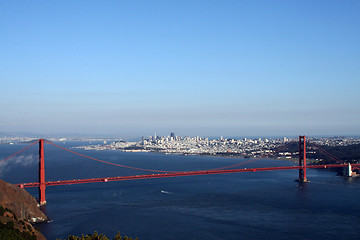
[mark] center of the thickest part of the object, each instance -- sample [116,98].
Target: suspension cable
[326,152]
[106,162]
[253,160]
[152,170]
[237,164]
[18,152]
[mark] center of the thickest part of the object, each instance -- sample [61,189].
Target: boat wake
[165,192]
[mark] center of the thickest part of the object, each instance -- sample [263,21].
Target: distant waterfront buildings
[257,147]
[172,144]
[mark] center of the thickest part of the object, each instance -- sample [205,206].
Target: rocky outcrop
[18,209]
[21,203]
[13,228]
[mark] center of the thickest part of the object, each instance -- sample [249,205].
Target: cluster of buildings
[203,146]
[172,144]
[197,146]
[16,139]
[258,147]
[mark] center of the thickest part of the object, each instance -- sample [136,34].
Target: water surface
[261,205]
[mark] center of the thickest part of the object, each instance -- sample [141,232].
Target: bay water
[260,205]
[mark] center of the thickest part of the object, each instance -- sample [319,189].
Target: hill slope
[18,209]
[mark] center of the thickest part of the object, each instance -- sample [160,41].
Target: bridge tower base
[42,186]
[348,171]
[302,159]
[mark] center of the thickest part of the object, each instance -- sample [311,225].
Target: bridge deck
[178,174]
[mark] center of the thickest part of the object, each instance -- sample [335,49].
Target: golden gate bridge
[302,167]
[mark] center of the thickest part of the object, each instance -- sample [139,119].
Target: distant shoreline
[200,155]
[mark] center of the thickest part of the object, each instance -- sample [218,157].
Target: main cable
[262,156]
[20,151]
[326,152]
[106,162]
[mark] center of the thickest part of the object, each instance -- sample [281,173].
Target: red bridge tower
[42,186]
[302,159]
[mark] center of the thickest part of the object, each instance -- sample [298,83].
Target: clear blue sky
[209,68]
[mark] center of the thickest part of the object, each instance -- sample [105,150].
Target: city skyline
[204,68]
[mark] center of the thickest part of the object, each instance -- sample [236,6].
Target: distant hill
[350,153]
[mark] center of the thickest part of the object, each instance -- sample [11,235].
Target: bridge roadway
[179,174]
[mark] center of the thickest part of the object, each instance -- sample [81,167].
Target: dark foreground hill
[18,209]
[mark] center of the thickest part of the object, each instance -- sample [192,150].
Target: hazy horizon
[138,137]
[206,68]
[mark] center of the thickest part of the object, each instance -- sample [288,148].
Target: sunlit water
[261,205]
